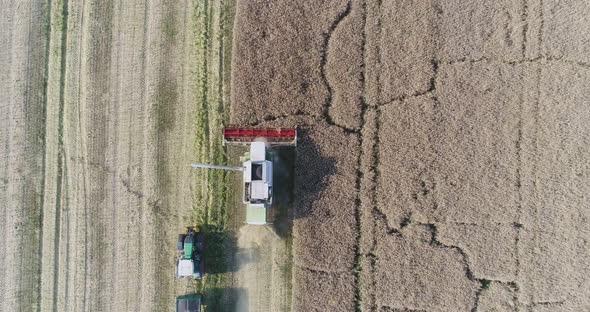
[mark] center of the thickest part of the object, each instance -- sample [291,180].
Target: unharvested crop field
[443,164]
[443,160]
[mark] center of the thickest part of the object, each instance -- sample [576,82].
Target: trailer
[189,303]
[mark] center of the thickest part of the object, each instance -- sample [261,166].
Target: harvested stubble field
[443,164]
[105,104]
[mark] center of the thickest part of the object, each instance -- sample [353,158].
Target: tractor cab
[186,267]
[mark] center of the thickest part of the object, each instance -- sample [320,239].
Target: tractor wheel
[180,242]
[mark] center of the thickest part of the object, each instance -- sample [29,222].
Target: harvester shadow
[312,171]
[283,174]
[301,174]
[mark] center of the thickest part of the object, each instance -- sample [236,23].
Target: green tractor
[190,248]
[189,303]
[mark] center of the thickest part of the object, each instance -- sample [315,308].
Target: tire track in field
[60,157]
[118,200]
[72,126]
[22,133]
[97,240]
[7,87]
[146,153]
[53,158]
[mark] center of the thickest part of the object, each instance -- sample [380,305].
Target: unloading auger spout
[209,166]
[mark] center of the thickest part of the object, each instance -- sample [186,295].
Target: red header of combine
[282,136]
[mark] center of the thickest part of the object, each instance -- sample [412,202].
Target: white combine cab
[257,166]
[257,177]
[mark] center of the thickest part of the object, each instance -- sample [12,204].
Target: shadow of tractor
[220,249]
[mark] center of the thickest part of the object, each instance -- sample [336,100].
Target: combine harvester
[190,248]
[257,166]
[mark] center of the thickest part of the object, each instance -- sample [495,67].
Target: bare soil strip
[263,263]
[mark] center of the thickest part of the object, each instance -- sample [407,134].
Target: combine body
[257,177]
[189,261]
[257,166]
